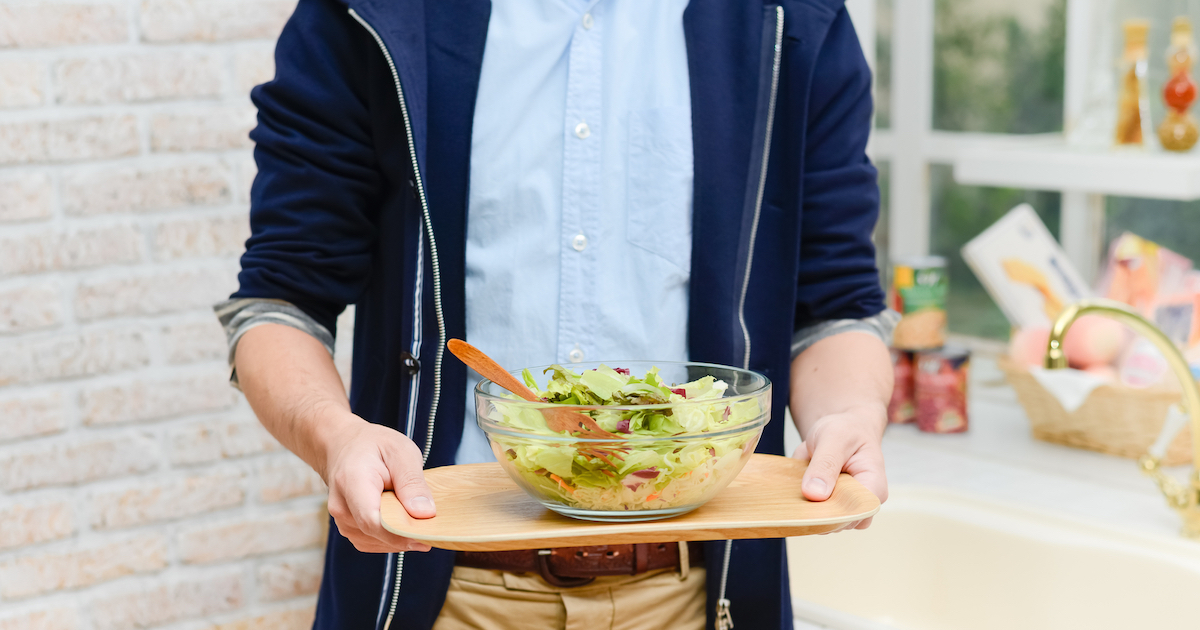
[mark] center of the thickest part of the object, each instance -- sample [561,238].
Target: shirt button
[582,130]
[588,22]
[575,355]
[579,242]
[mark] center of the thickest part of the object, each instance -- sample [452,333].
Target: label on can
[918,293]
[941,390]
[902,408]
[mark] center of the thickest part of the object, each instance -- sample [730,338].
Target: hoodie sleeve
[314,202]
[838,278]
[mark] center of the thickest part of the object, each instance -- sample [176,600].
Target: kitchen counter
[998,462]
[998,459]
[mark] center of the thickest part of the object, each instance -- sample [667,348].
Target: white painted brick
[30,307]
[290,619]
[294,576]
[29,524]
[210,236]
[25,197]
[72,355]
[53,250]
[251,67]
[37,573]
[126,189]
[164,292]
[48,619]
[253,536]
[287,479]
[214,129]
[55,24]
[189,342]
[212,440]
[161,500]
[21,83]
[94,137]
[136,78]
[213,20]
[158,398]
[151,606]
[31,415]
[73,460]
[247,169]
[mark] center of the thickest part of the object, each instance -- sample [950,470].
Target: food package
[1024,269]
[1144,274]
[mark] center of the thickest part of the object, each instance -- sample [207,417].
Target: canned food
[902,408]
[941,390]
[918,293]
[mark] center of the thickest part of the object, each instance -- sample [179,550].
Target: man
[555,181]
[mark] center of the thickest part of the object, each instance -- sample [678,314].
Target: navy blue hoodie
[363,147]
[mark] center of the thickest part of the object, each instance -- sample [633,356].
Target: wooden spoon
[562,420]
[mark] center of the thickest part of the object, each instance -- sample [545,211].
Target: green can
[918,293]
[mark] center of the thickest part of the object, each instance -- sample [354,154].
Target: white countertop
[997,458]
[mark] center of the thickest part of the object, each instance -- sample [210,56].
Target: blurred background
[137,490]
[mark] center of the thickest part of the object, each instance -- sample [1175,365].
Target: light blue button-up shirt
[579,225]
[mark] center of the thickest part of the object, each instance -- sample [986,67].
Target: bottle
[1178,131]
[1132,103]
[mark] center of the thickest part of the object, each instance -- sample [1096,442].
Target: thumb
[826,463]
[408,481]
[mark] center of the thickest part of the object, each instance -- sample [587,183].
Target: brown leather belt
[576,566]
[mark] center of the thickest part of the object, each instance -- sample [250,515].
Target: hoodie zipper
[724,619]
[437,297]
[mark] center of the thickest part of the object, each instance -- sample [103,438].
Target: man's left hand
[845,442]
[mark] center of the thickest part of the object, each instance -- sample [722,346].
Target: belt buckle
[543,563]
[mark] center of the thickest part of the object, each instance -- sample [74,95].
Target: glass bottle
[1178,131]
[1133,121]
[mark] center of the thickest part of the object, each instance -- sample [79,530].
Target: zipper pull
[724,619]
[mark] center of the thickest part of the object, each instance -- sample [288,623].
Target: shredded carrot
[600,456]
[608,472]
[562,483]
[652,497]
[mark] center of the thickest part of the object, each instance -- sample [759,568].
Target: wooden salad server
[561,420]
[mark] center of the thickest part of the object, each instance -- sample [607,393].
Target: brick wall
[137,490]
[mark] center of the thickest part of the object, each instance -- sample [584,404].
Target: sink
[936,559]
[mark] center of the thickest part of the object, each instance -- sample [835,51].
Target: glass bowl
[638,476]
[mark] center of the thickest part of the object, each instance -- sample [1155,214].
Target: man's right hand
[291,382]
[360,464]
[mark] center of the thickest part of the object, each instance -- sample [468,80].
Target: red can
[902,408]
[941,389]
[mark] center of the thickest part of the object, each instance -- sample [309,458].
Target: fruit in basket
[1094,341]
[1027,346]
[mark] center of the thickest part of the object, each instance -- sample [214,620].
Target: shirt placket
[578,236]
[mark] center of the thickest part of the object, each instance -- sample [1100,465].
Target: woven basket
[1114,419]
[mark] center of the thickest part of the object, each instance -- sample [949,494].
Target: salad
[677,466]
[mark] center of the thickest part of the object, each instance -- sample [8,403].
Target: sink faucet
[1185,499]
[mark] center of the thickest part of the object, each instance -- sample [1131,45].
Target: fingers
[360,474]
[871,476]
[403,461]
[367,544]
[377,540]
[829,456]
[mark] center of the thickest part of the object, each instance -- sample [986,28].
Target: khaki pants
[498,600]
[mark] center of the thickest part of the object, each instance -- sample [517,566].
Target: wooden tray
[481,509]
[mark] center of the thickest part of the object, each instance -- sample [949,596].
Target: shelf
[1052,165]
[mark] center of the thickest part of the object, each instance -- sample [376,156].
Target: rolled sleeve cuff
[240,315]
[880,325]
